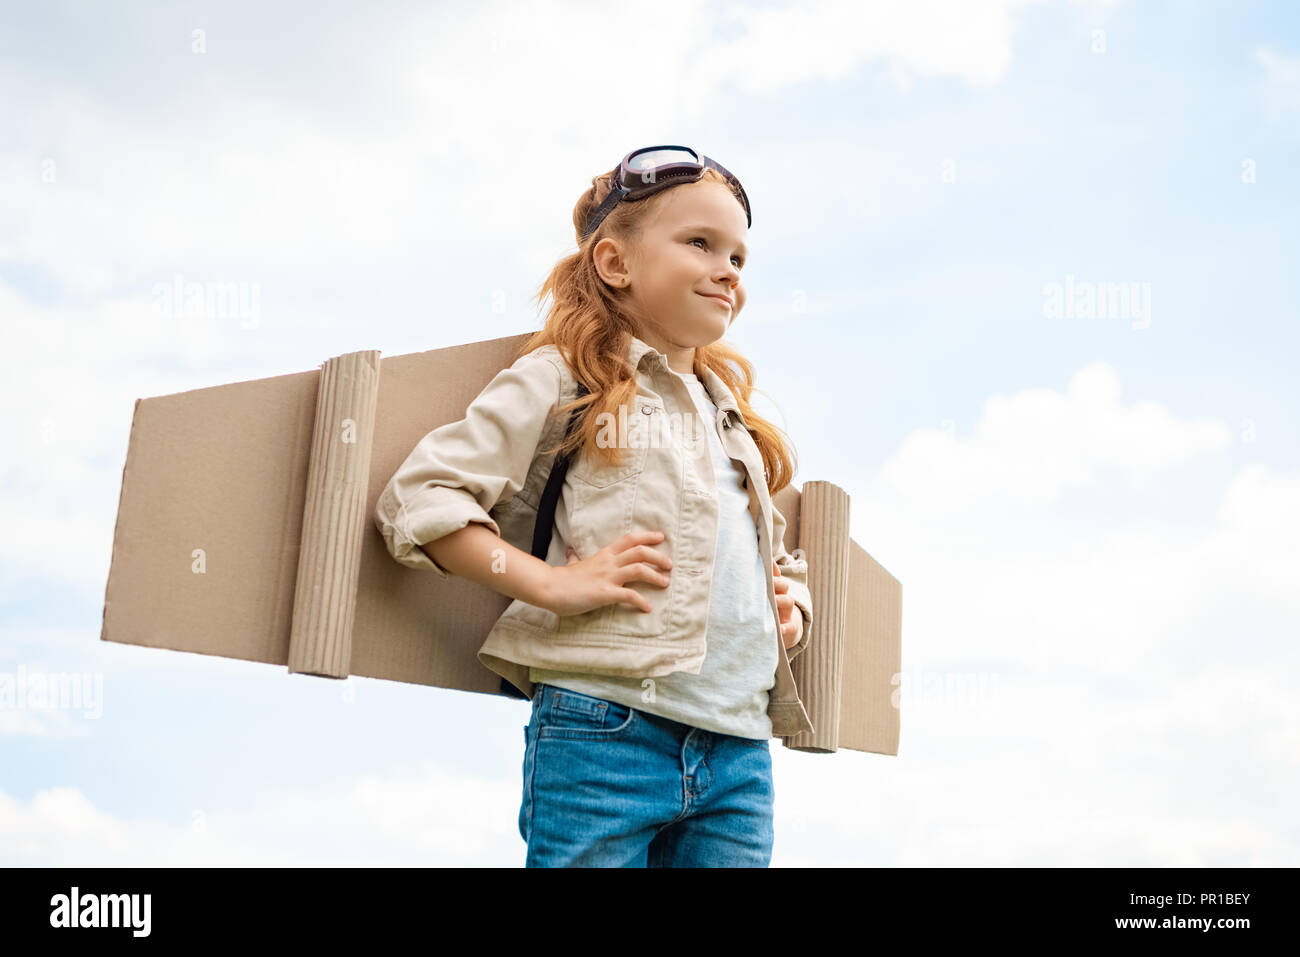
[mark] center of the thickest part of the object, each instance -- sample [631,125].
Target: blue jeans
[606,785]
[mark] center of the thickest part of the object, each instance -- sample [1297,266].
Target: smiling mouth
[720,299]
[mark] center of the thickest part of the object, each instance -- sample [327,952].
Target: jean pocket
[571,714]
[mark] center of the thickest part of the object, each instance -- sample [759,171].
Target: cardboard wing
[847,676]
[244,531]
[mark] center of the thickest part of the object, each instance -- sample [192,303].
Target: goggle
[652,169]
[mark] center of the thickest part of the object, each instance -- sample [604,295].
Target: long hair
[592,326]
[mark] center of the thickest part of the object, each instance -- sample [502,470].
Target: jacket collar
[722,396]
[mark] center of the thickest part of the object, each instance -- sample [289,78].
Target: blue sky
[1094,518]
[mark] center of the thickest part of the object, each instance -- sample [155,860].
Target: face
[687,261]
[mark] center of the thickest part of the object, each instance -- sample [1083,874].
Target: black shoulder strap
[551,495]
[545,525]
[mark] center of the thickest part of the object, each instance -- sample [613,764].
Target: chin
[714,331]
[717,319]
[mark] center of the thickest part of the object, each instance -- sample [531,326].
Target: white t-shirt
[730,693]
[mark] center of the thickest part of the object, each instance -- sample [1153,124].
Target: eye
[738,260]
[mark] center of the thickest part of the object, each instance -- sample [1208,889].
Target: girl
[656,645]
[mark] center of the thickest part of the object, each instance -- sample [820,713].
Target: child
[655,641]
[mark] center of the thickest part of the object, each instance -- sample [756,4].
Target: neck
[680,358]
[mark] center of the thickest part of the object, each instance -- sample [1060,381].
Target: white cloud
[1082,685]
[1061,770]
[833,39]
[427,817]
[256,178]
[1029,448]
[1072,531]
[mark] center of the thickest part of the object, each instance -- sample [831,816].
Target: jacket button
[647,409]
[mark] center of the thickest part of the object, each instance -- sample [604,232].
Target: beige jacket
[486,468]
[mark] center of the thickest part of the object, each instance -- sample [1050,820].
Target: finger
[638,538]
[635,599]
[781,587]
[653,575]
[776,570]
[644,553]
[641,572]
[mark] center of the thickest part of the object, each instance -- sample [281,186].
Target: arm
[474,552]
[795,572]
[459,471]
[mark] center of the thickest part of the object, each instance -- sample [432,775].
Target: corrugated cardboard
[244,531]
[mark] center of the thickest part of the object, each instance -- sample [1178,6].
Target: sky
[1092,504]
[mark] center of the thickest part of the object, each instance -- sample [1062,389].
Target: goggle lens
[646,163]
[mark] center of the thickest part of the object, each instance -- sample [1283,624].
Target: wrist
[538,584]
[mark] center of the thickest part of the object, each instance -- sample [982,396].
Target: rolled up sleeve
[795,572]
[458,472]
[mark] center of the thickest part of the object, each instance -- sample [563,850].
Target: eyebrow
[713,232]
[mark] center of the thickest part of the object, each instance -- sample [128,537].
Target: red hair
[592,325]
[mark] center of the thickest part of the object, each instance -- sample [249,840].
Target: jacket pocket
[551,624]
[631,432]
[627,621]
[540,618]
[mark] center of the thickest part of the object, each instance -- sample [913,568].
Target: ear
[610,260]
